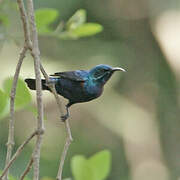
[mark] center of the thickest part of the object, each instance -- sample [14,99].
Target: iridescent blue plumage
[80,85]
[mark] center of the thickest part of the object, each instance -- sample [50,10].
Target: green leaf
[23,96]
[87,29]
[100,164]
[4,104]
[80,168]
[76,20]
[44,17]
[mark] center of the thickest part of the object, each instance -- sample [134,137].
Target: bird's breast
[93,90]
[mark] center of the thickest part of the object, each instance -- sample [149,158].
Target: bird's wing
[72,75]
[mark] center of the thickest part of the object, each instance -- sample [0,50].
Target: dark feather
[31,83]
[71,75]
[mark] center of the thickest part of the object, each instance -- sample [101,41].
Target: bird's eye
[99,73]
[104,70]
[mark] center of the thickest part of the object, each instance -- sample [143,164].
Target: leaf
[100,164]
[80,168]
[76,20]
[87,29]
[23,96]
[4,104]
[44,17]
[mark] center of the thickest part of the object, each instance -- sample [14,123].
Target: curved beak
[118,69]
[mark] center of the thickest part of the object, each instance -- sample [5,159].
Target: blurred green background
[138,116]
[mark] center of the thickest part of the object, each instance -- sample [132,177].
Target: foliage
[76,27]
[23,97]
[44,17]
[97,167]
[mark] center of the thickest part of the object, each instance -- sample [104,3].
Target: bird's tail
[31,83]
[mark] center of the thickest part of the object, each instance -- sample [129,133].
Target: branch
[36,56]
[34,48]
[24,20]
[40,126]
[17,153]
[10,142]
[28,168]
[69,138]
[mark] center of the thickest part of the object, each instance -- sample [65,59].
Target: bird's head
[101,73]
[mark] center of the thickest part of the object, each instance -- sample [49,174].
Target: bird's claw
[64,117]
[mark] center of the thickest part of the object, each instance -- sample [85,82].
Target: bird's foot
[64,117]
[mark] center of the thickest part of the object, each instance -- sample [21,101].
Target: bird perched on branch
[80,85]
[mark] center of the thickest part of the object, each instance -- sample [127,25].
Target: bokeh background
[138,116]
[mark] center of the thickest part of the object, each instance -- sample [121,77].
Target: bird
[78,86]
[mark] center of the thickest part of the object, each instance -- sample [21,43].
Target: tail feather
[31,83]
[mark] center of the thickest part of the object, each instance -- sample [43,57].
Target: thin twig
[24,20]
[69,138]
[40,126]
[66,147]
[36,55]
[33,47]
[28,168]
[17,153]
[10,142]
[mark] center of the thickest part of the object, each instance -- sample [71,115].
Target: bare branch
[66,147]
[69,138]
[36,55]
[32,45]
[10,142]
[40,126]
[24,20]
[28,168]
[17,153]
